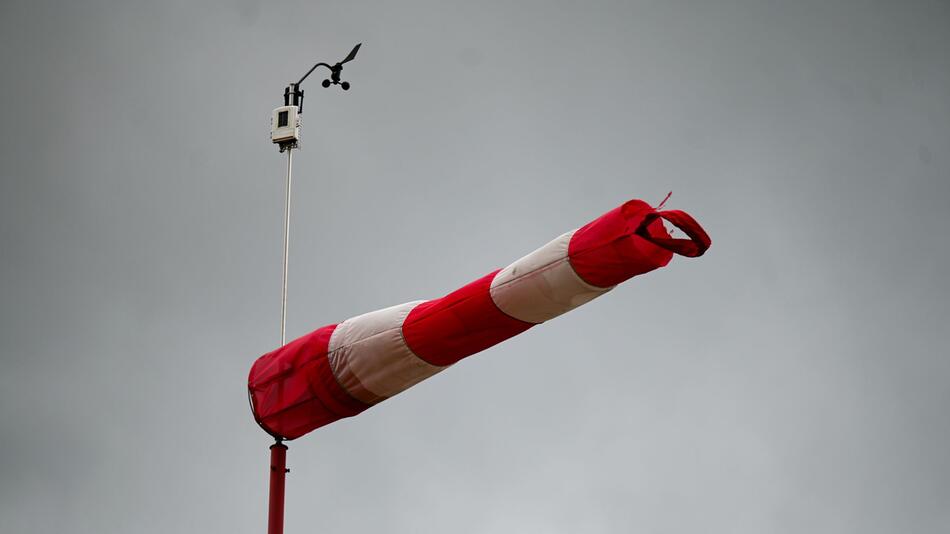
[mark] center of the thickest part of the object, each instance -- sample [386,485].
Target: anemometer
[285,120]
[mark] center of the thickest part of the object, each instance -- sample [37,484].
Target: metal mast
[283,289]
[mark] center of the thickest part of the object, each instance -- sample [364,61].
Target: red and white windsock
[340,370]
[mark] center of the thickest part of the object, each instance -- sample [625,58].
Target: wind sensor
[285,120]
[285,133]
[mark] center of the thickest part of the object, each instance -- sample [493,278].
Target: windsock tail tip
[697,244]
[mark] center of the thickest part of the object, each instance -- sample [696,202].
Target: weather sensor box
[285,125]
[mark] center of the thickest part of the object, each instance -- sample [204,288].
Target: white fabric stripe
[542,285]
[370,358]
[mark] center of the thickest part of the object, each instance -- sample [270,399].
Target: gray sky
[794,379]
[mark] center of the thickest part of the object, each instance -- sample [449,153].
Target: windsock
[339,370]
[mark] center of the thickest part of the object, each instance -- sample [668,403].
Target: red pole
[278,472]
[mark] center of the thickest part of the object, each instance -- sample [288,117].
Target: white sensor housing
[285,125]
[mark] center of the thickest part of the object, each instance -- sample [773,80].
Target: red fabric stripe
[293,390]
[466,321]
[607,250]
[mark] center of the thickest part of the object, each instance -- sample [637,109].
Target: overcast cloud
[795,379]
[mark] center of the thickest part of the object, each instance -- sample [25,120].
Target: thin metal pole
[278,472]
[283,291]
[278,451]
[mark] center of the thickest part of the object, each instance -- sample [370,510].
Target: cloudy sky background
[794,379]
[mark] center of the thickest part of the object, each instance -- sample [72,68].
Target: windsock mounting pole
[278,472]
